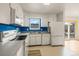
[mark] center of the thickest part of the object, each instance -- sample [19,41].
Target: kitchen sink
[22,37]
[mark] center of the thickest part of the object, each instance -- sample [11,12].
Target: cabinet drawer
[45,40]
[32,42]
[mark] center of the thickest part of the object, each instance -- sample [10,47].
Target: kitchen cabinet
[35,39]
[57,33]
[32,39]
[39,39]
[45,39]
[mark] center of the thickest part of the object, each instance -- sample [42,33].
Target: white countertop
[10,48]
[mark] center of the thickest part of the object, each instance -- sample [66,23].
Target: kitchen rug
[34,53]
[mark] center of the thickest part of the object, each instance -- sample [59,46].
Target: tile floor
[71,48]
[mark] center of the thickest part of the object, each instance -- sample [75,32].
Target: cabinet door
[35,39]
[45,39]
[32,41]
[38,40]
[58,40]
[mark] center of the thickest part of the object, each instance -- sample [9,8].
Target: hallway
[71,48]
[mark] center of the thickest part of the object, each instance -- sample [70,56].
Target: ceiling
[41,8]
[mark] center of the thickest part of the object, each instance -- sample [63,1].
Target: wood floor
[71,48]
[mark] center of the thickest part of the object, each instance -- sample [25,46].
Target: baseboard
[56,45]
[33,45]
[38,45]
[45,45]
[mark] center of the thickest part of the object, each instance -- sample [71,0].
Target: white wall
[4,13]
[18,12]
[44,18]
[72,11]
[60,17]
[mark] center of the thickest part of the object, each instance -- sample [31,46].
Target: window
[35,23]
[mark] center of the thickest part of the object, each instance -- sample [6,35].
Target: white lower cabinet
[45,39]
[39,39]
[32,41]
[35,39]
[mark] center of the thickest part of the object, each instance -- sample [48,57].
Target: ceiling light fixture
[47,4]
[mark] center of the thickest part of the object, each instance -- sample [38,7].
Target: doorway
[69,31]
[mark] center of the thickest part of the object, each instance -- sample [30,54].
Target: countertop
[10,48]
[39,32]
[23,33]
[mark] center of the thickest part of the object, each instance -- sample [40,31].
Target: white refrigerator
[57,33]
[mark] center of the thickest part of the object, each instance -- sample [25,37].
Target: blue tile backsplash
[6,27]
[24,29]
